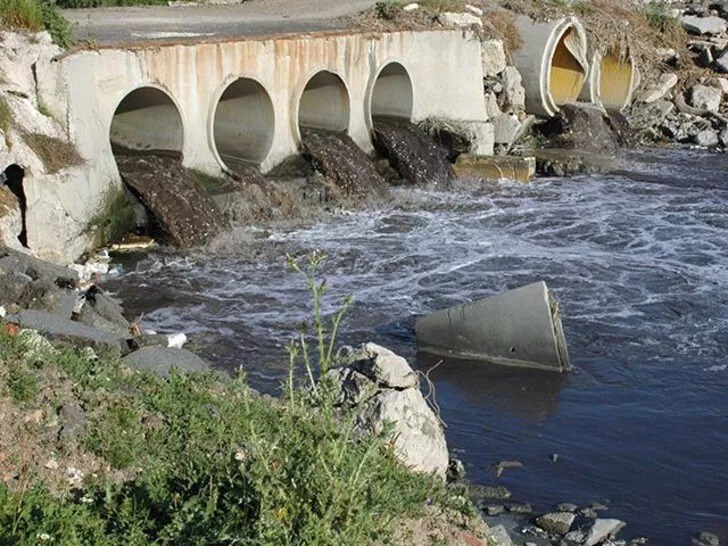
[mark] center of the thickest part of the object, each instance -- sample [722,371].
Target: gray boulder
[515,94]
[558,523]
[707,138]
[602,529]
[706,98]
[721,63]
[40,269]
[724,137]
[706,539]
[162,360]
[704,25]
[499,536]
[462,20]
[385,392]
[74,421]
[659,88]
[62,331]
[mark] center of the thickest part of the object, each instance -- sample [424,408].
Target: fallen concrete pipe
[519,328]
[612,80]
[552,61]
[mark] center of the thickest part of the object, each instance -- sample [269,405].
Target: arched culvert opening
[243,124]
[392,93]
[616,80]
[552,62]
[324,103]
[147,119]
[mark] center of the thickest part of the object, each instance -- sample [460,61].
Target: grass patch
[213,463]
[22,383]
[34,16]
[56,154]
[499,23]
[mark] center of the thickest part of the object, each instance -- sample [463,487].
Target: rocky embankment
[687,102]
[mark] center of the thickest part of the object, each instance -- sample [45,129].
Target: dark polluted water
[639,262]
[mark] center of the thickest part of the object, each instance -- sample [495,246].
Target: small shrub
[58,27]
[22,382]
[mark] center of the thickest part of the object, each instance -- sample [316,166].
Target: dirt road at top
[129,25]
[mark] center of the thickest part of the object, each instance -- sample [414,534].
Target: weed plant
[211,462]
[34,16]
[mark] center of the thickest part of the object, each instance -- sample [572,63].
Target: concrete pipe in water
[552,62]
[392,94]
[612,79]
[243,124]
[147,119]
[324,103]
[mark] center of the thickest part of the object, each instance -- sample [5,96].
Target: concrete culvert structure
[243,124]
[392,94]
[552,62]
[147,119]
[324,103]
[612,80]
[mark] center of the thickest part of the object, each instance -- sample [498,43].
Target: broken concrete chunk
[519,328]
[521,169]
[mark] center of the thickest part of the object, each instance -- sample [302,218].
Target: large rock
[707,138]
[419,442]
[602,529]
[506,128]
[383,389]
[62,331]
[704,25]
[706,98]
[162,360]
[462,20]
[558,523]
[384,368]
[515,94]
[659,88]
[651,115]
[494,57]
[38,269]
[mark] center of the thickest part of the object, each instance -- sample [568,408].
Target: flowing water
[639,262]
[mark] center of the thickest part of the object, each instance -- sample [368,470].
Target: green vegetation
[207,462]
[116,220]
[34,16]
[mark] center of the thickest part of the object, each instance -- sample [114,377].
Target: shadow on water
[531,395]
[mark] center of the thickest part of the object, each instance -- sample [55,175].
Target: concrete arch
[324,103]
[392,93]
[243,123]
[552,62]
[147,118]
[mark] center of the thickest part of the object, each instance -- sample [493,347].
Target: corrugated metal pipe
[612,79]
[552,61]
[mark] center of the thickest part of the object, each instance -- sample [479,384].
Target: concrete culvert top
[392,94]
[324,103]
[243,126]
[147,119]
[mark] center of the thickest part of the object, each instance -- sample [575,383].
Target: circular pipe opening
[392,95]
[243,124]
[147,119]
[616,77]
[324,103]
[567,73]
